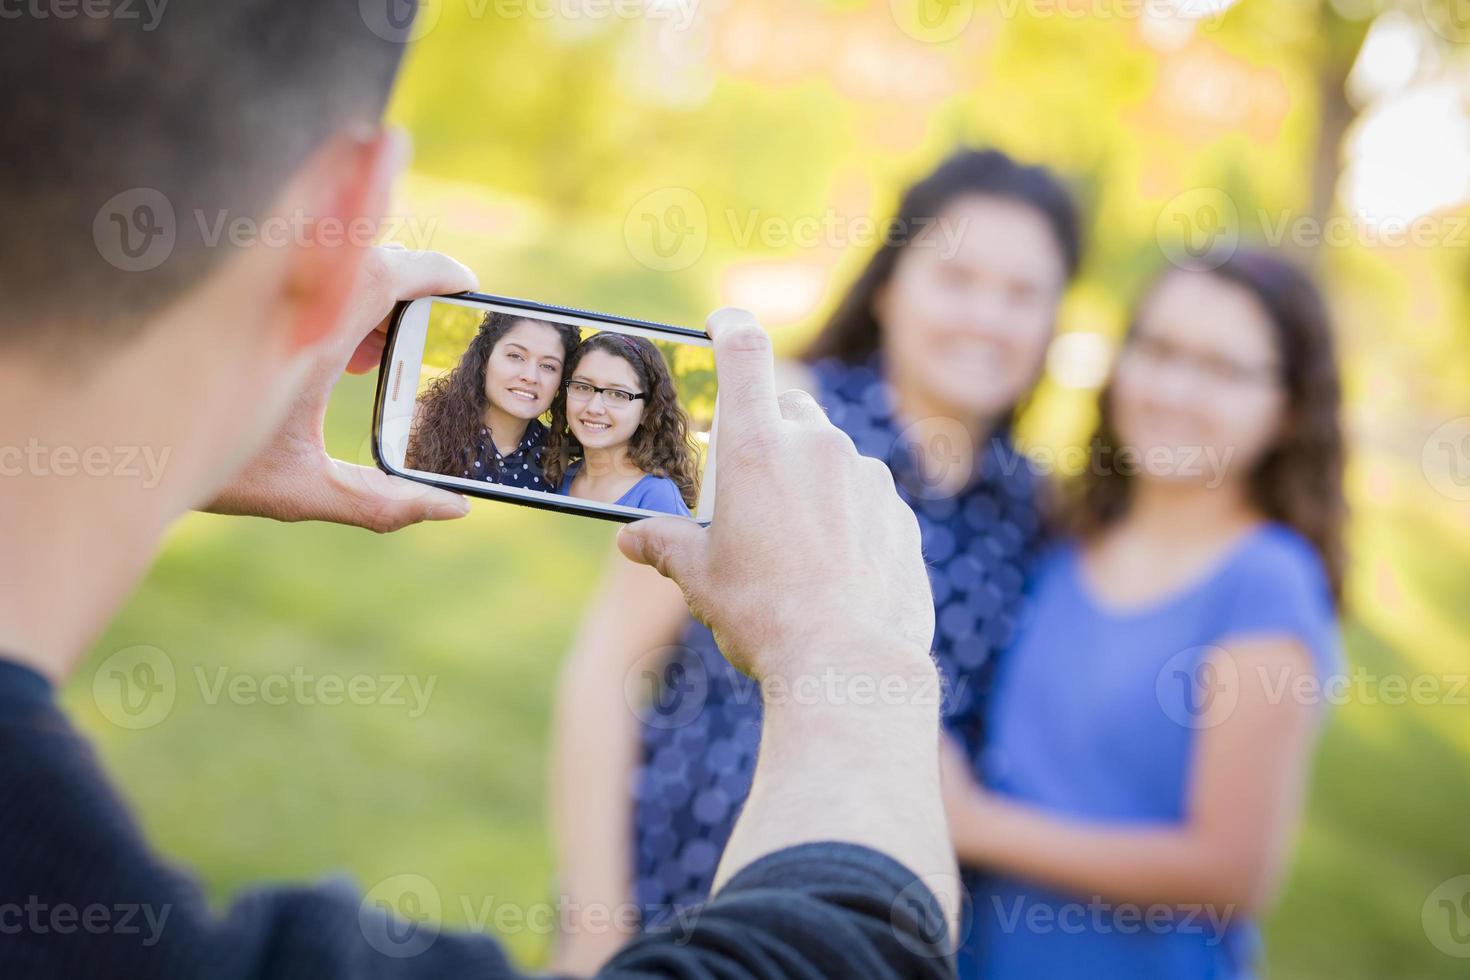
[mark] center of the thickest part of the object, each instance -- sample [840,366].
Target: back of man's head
[129,142]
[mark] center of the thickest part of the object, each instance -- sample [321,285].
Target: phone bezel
[491,491]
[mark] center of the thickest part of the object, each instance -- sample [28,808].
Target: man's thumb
[672,545]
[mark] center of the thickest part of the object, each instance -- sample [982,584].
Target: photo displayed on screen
[598,414]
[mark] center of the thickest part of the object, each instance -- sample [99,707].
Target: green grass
[1389,804]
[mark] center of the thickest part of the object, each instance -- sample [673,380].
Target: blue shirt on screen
[1095,713]
[657,493]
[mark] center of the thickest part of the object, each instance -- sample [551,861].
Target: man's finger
[674,546]
[799,406]
[745,370]
[393,273]
[369,353]
[412,274]
[442,506]
[370,498]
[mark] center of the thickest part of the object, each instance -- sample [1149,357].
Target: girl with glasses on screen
[481,421]
[618,433]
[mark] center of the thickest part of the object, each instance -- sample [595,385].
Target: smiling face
[1197,385]
[524,370]
[968,312]
[595,422]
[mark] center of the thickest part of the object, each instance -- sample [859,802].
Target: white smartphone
[549,407]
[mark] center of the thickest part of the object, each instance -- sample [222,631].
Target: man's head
[180,191]
[212,106]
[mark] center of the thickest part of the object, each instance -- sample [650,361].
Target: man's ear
[343,190]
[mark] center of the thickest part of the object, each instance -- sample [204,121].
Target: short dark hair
[207,108]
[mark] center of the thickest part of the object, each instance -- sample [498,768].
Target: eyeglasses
[1219,370]
[615,397]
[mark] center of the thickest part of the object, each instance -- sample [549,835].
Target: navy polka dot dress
[521,468]
[701,728]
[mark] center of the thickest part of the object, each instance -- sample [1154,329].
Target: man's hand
[812,579]
[293,478]
[811,555]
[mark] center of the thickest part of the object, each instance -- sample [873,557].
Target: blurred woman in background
[922,364]
[618,433]
[1150,732]
[482,419]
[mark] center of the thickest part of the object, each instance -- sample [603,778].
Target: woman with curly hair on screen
[618,434]
[481,421]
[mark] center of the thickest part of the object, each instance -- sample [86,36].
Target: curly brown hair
[451,411]
[1299,480]
[663,445]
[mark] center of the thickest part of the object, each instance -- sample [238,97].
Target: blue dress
[701,728]
[1094,714]
[650,493]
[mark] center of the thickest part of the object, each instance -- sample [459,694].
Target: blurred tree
[451,328]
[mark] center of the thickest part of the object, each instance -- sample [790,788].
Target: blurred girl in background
[481,420]
[618,432]
[1149,748]
[922,364]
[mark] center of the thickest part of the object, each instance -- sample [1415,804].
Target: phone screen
[549,407]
